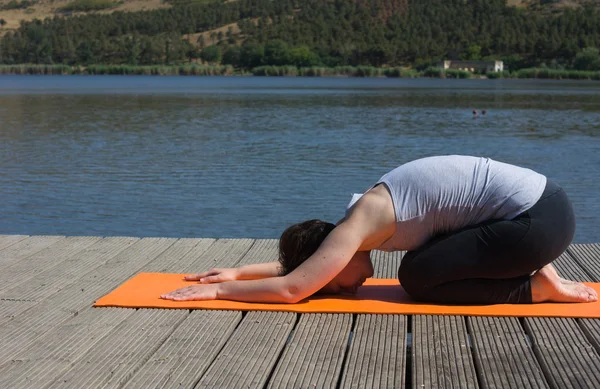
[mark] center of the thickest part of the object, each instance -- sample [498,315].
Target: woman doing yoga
[476,231]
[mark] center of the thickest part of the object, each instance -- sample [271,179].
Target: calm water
[245,157]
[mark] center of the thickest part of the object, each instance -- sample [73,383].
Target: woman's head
[300,241]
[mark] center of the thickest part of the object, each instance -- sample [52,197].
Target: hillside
[15,11]
[303,33]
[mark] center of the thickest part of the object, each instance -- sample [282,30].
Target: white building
[472,66]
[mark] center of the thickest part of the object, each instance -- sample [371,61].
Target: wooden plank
[236,253]
[503,356]
[46,283]
[123,351]
[588,256]
[314,356]
[181,256]
[247,358]
[9,240]
[566,356]
[555,338]
[25,248]
[48,357]
[386,264]
[186,355]
[263,250]
[222,253]
[440,353]
[134,259]
[591,329]
[377,355]
[567,267]
[82,341]
[20,332]
[441,357]
[45,259]
[9,309]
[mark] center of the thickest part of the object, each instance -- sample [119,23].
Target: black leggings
[491,262]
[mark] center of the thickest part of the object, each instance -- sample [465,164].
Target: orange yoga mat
[375,296]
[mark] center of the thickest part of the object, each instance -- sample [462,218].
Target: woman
[477,231]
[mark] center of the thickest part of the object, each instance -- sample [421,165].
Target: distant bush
[158,70]
[495,75]
[313,71]
[89,5]
[454,73]
[16,4]
[446,73]
[177,3]
[39,69]
[401,72]
[587,59]
[275,71]
[433,72]
[558,74]
[368,71]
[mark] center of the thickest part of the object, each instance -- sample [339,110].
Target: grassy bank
[220,70]
[291,71]
[340,71]
[552,74]
[184,70]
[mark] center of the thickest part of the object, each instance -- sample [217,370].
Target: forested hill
[249,33]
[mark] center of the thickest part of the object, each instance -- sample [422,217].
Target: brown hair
[300,241]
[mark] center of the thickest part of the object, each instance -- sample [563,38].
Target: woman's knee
[412,280]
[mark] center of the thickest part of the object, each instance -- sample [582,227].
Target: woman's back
[437,195]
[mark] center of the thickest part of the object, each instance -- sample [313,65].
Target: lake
[234,157]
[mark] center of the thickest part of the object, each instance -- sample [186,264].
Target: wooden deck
[51,337]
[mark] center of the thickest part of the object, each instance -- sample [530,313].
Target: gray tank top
[438,195]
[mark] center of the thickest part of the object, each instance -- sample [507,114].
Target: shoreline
[292,71]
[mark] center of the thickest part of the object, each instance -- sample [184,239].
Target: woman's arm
[266,290]
[259,270]
[248,272]
[366,226]
[330,258]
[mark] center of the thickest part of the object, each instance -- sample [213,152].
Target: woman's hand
[193,292]
[214,275]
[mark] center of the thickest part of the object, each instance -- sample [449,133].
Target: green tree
[232,56]
[587,59]
[230,37]
[252,55]
[193,53]
[201,42]
[150,51]
[85,55]
[133,51]
[472,53]
[302,57]
[211,54]
[277,53]
[167,51]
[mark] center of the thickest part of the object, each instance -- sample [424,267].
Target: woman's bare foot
[563,280]
[546,285]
